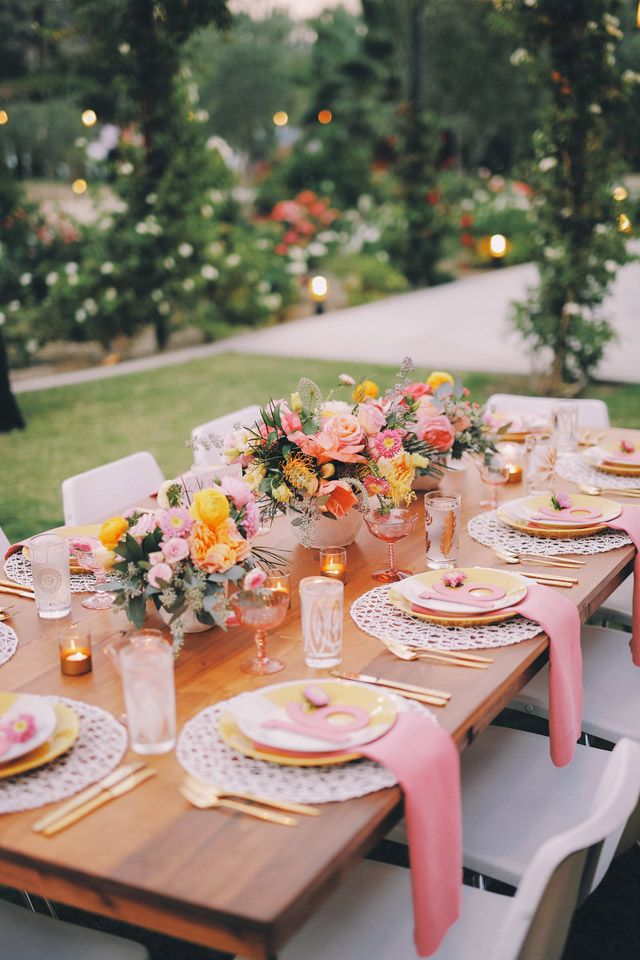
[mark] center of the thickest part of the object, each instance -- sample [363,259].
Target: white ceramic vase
[325,532]
[189,619]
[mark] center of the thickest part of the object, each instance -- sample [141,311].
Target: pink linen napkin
[425,760]
[559,619]
[629,521]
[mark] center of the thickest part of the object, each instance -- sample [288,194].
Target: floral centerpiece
[183,558]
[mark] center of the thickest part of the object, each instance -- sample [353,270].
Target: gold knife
[129,783]
[18,593]
[437,698]
[14,585]
[85,795]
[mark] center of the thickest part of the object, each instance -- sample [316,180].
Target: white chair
[370,914]
[103,491]
[25,935]
[4,543]
[202,434]
[611,687]
[591,413]
[618,607]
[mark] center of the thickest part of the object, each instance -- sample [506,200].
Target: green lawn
[70,429]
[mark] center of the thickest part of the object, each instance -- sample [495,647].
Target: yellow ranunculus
[211,507]
[111,531]
[255,474]
[418,461]
[281,493]
[296,403]
[366,389]
[437,378]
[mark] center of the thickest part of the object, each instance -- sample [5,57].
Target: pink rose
[326,446]
[346,428]
[239,491]
[160,572]
[437,432]
[461,424]
[144,525]
[290,421]
[417,390]
[175,549]
[251,521]
[428,408]
[371,418]
[254,579]
[157,557]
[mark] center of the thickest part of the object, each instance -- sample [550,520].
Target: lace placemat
[99,748]
[373,613]
[203,753]
[571,466]
[18,568]
[488,530]
[8,643]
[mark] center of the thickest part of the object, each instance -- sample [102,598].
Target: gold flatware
[548,561]
[608,491]
[208,790]
[121,773]
[459,654]
[18,593]
[16,586]
[444,659]
[111,793]
[550,581]
[436,698]
[205,803]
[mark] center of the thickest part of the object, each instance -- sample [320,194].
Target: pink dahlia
[175,522]
[386,444]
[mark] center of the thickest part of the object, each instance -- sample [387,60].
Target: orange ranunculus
[207,552]
[211,507]
[341,497]
[111,531]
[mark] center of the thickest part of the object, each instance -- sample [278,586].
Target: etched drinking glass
[49,554]
[322,600]
[442,529]
[146,669]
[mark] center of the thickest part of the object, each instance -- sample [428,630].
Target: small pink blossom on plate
[455,579]
[21,729]
[560,501]
[254,579]
[627,447]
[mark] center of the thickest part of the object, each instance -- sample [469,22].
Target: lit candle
[511,453]
[280,581]
[333,563]
[74,646]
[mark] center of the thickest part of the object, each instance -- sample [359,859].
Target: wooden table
[215,877]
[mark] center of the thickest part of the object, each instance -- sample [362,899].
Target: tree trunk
[10,416]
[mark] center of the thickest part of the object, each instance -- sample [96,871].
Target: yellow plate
[234,738]
[510,582]
[65,734]
[608,508]
[618,470]
[553,533]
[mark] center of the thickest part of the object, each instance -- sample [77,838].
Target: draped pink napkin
[629,521]
[559,619]
[425,760]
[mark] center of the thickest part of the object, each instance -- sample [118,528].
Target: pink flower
[160,572]
[175,549]
[376,486]
[386,444]
[239,491]
[254,579]
[251,521]
[453,579]
[290,421]
[346,380]
[437,432]
[175,522]
[325,446]
[157,557]
[144,524]
[627,447]
[417,390]
[371,418]
[21,729]
[346,428]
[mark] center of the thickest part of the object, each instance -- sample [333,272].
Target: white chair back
[4,543]
[204,450]
[568,865]
[99,493]
[592,414]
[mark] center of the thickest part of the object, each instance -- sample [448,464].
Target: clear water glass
[322,601]
[540,465]
[442,529]
[564,416]
[146,669]
[49,554]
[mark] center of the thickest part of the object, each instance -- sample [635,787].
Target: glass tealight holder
[279,580]
[333,563]
[74,647]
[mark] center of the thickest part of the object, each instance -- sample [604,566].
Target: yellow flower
[327,470]
[255,474]
[400,473]
[437,378]
[111,531]
[281,493]
[296,403]
[211,507]
[417,460]
[366,389]
[299,474]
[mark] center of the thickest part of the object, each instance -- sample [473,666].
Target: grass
[71,429]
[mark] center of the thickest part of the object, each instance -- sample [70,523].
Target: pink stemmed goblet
[494,471]
[391,526]
[261,610]
[101,599]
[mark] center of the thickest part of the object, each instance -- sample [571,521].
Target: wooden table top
[215,877]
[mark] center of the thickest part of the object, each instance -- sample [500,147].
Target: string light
[79,186]
[4,117]
[280,118]
[325,116]
[89,118]
[620,194]
[624,223]
[498,245]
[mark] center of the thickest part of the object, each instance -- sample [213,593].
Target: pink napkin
[425,760]
[559,619]
[629,521]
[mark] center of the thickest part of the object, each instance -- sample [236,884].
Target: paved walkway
[460,325]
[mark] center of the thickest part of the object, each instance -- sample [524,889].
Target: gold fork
[209,789]
[205,802]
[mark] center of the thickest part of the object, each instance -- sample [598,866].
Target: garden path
[460,325]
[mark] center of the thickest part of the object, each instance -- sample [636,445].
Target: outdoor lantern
[318,289]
